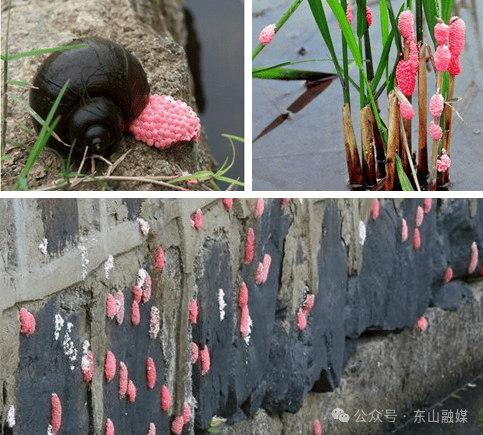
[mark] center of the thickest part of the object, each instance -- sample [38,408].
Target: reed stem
[352,153]
[369,164]
[434,156]
[393,141]
[423,115]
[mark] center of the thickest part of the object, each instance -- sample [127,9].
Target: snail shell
[108,89]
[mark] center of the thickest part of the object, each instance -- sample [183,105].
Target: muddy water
[307,152]
[464,406]
[218,26]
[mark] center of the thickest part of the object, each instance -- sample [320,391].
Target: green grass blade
[403,178]
[23,84]
[44,51]
[289,74]
[230,136]
[42,139]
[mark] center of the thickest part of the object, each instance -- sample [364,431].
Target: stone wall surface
[334,289]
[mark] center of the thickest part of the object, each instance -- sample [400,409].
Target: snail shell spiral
[108,89]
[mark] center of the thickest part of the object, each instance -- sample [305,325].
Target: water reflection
[215,50]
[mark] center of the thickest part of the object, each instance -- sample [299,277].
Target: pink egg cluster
[435,130]
[406,69]
[456,44]
[317,428]
[407,110]
[422,324]
[159,262]
[205,360]
[244,313]
[165,398]
[249,246]
[27,322]
[368,16]
[267,34]
[150,373]
[166,121]
[304,311]
[198,220]
[436,105]
[56,414]
[263,269]
[444,162]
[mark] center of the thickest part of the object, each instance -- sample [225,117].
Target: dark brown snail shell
[108,89]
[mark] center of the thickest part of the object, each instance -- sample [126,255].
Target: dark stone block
[133,207]
[449,296]
[61,222]
[133,346]
[50,363]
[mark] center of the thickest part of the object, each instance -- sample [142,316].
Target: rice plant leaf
[394,24]
[289,74]
[403,178]
[321,20]
[353,46]
[43,51]
[384,21]
[431,17]
[384,61]
[447,7]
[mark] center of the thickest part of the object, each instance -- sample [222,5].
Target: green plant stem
[345,64]
[279,24]
[362,91]
[419,20]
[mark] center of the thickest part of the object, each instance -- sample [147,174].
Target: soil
[164,61]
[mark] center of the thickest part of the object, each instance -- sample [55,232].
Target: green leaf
[384,21]
[361,18]
[289,74]
[321,20]
[43,51]
[431,17]
[403,178]
[24,84]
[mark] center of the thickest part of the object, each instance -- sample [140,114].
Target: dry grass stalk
[369,164]
[423,114]
[393,141]
[352,154]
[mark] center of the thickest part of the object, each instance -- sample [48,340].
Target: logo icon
[339,414]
